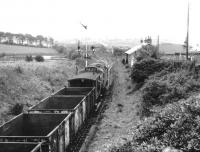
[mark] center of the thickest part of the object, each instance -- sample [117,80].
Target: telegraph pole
[187,38]
[158,43]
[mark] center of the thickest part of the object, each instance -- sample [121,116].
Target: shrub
[169,88]
[177,125]
[80,62]
[127,66]
[2,55]
[123,61]
[39,58]
[60,49]
[16,109]
[118,51]
[19,69]
[153,91]
[148,51]
[73,55]
[143,69]
[29,58]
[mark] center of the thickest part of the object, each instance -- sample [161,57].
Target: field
[24,50]
[171,48]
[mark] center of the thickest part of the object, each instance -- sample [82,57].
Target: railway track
[78,141]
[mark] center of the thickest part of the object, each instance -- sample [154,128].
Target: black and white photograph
[99,76]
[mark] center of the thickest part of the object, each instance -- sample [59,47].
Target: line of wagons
[50,125]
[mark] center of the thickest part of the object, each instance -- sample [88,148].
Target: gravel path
[119,116]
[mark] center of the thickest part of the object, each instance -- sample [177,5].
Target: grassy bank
[169,108]
[27,83]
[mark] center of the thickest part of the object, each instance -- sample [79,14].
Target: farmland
[23,50]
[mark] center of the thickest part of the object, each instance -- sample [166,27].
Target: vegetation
[7,50]
[169,116]
[39,58]
[26,40]
[27,83]
[16,109]
[177,125]
[147,51]
[2,55]
[29,58]
[74,55]
[117,51]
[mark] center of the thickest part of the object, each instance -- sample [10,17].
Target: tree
[30,38]
[51,40]
[40,38]
[1,35]
[21,37]
[10,37]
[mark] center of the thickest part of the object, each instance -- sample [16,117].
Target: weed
[19,69]
[16,109]
[29,58]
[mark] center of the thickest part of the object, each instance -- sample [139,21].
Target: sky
[106,19]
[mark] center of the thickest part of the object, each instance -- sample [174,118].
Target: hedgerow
[143,69]
[177,125]
[169,118]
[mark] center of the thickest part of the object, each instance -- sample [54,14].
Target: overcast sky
[105,18]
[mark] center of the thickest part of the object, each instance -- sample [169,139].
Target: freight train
[54,122]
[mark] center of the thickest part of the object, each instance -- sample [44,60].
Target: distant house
[4,39]
[16,40]
[45,44]
[26,41]
[36,43]
[131,53]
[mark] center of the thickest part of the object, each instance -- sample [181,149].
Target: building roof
[85,75]
[134,49]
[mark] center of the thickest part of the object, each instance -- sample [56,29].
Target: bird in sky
[84,26]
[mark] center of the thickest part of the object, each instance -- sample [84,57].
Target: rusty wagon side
[80,107]
[88,92]
[52,129]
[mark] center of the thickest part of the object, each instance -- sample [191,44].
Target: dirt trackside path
[120,115]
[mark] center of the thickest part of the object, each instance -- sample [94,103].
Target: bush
[143,69]
[169,88]
[73,55]
[60,49]
[123,61]
[177,125]
[80,62]
[19,69]
[148,51]
[118,51]
[17,109]
[29,58]
[39,58]
[2,55]
[152,92]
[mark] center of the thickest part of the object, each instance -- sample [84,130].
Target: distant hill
[171,48]
[121,42]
